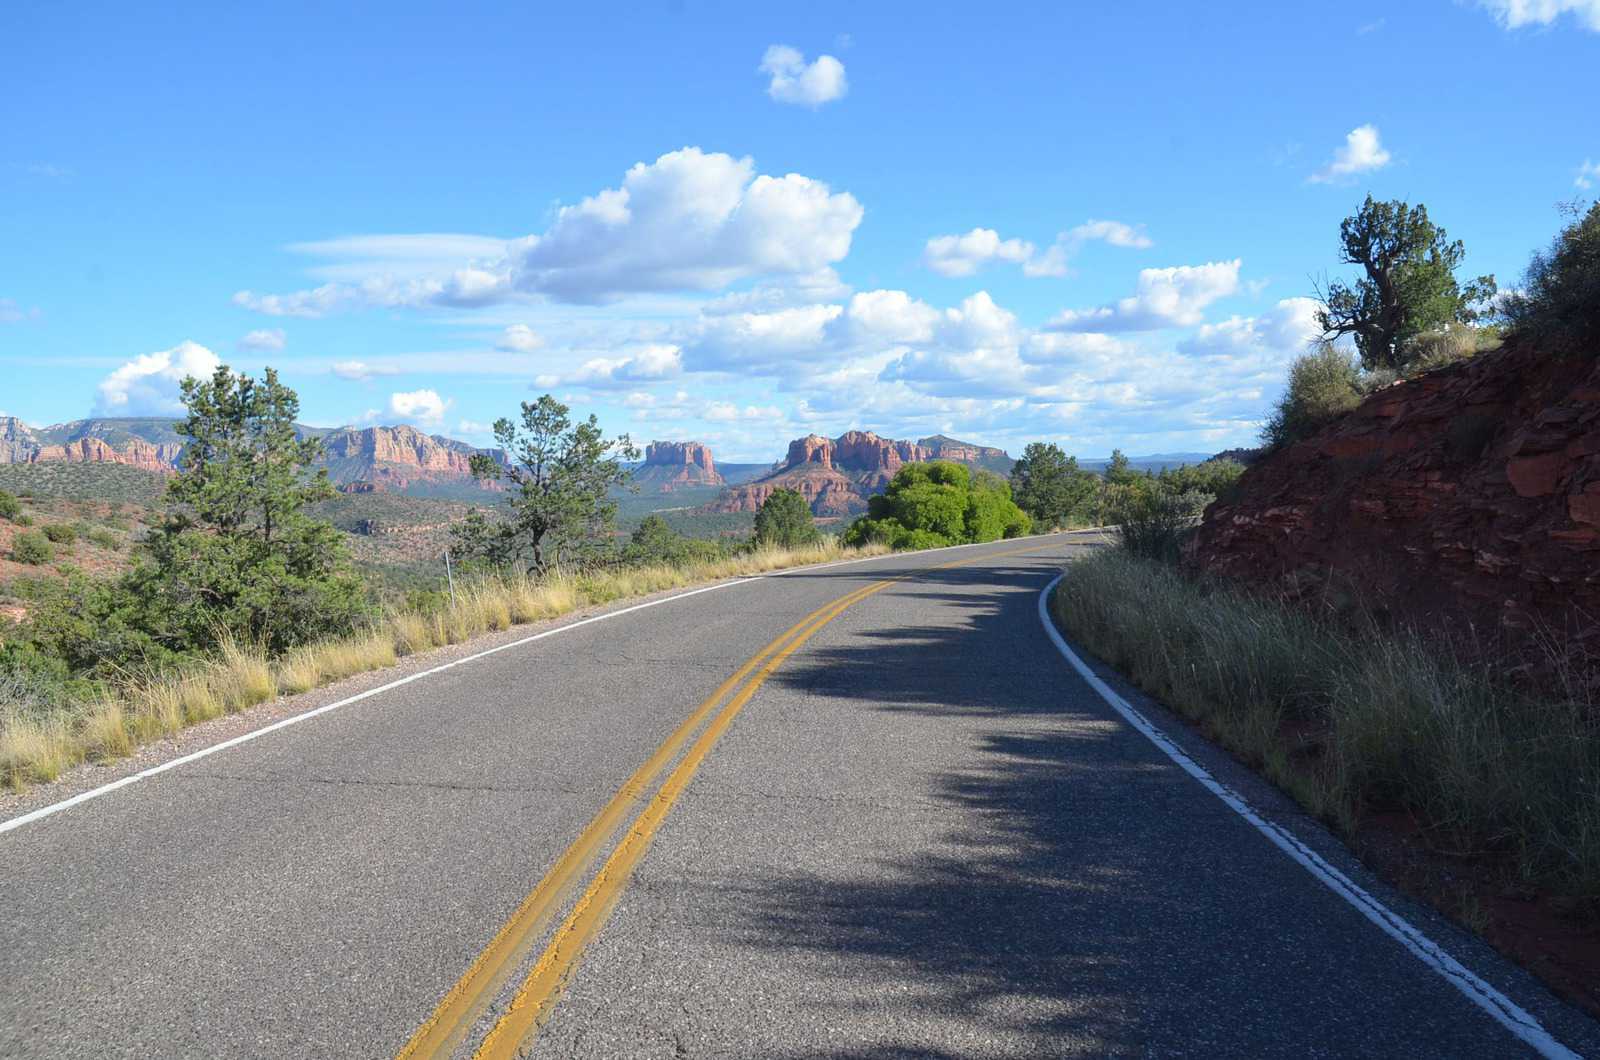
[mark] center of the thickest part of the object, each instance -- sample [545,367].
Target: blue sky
[726,222]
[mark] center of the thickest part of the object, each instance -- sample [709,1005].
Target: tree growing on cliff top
[558,510]
[1407,288]
[784,521]
[1559,305]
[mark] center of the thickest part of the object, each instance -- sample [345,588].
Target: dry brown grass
[36,748]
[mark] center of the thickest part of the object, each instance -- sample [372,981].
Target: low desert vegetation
[1558,305]
[1354,719]
[238,594]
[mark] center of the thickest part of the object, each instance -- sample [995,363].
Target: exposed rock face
[358,460]
[91,442]
[395,459]
[837,475]
[942,447]
[671,466]
[1469,496]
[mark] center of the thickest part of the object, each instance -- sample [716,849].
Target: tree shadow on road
[1083,896]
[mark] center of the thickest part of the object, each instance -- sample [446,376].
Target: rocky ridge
[1465,499]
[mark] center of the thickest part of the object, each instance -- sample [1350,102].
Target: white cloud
[1278,335]
[1362,152]
[1514,14]
[965,255]
[795,81]
[889,317]
[742,341]
[359,371]
[689,221]
[413,256]
[149,385]
[519,338]
[1170,297]
[424,408]
[1053,262]
[272,339]
[647,363]
[1588,174]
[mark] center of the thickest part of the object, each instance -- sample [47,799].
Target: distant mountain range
[836,475]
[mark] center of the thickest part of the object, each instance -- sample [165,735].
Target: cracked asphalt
[924,836]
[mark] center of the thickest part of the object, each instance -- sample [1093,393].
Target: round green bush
[10,507]
[61,533]
[32,548]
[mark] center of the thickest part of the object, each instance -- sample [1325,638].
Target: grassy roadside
[1358,722]
[37,747]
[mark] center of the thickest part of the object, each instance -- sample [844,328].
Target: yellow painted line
[535,1000]
[467,1000]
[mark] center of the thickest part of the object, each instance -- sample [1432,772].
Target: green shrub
[1322,385]
[104,538]
[61,533]
[1451,344]
[1559,304]
[939,503]
[1153,524]
[32,548]
[10,507]
[784,521]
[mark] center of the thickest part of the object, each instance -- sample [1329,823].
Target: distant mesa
[670,466]
[837,475]
[359,460]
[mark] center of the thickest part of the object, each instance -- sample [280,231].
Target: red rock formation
[1467,497]
[672,466]
[836,476]
[135,452]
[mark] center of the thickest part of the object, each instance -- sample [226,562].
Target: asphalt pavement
[921,835]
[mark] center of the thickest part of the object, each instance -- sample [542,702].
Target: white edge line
[106,789]
[1505,1011]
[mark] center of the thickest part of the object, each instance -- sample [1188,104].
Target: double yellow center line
[464,1005]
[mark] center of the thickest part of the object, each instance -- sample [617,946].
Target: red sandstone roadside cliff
[1469,496]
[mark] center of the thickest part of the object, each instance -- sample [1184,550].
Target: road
[910,829]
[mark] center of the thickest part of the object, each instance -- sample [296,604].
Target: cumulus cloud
[263,339]
[647,363]
[964,255]
[1278,335]
[1053,262]
[689,221]
[149,385]
[1588,174]
[423,408]
[796,81]
[1170,297]
[1514,14]
[1363,152]
[519,338]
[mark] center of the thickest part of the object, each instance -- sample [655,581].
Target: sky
[1095,225]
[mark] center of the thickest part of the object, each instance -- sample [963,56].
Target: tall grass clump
[1354,719]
